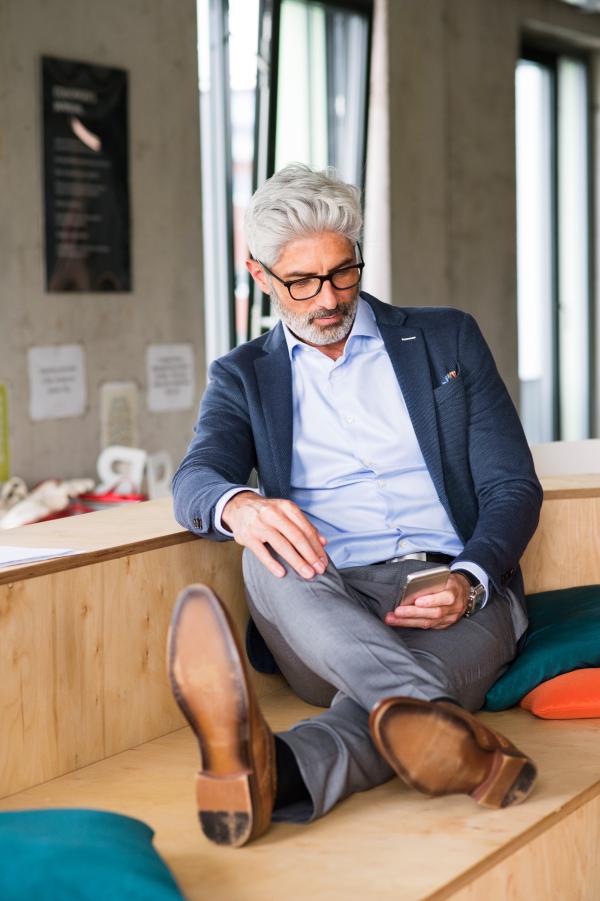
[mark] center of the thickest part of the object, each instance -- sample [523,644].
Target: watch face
[475,599]
[478,596]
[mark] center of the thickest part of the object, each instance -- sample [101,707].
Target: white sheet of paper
[56,382]
[171,379]
[13,556]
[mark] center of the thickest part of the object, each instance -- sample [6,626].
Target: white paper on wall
[119,414]
[57,386]
[170,375]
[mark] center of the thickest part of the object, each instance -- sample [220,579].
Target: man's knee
[262,587]
[257,573]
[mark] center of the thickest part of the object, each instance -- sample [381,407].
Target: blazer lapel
[274,377]
[408,353]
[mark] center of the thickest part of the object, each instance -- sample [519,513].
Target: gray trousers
[330,641]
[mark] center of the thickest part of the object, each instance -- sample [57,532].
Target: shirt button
[382,483]
[350,419]
[401,543]
[335,373]
[367,462]
[392,525]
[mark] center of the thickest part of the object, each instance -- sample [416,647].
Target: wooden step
[388,843]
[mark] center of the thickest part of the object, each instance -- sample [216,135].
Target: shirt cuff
[478,572]
[220,526]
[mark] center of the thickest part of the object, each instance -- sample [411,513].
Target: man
[385,443]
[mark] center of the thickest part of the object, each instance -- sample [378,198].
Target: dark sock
[449,700]
[290,784]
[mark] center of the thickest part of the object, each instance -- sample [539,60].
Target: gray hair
[298,202]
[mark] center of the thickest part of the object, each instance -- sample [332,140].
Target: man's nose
[327,296]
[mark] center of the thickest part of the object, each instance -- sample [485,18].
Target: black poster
[86,177]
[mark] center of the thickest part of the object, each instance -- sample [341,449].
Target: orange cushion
[572,696]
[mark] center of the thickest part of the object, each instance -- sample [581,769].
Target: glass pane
[216,157]
[243,42]
[321,89]
[302,86]
[573,250]
[534,248]
[347,64]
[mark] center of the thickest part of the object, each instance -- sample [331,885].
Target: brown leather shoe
[235,789]
[440,749]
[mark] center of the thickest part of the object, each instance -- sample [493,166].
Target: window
[316,92]
[553,246]
[302,97]
[227,41]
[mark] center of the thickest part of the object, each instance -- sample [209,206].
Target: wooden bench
[87,719]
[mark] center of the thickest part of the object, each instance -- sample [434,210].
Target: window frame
[547,54]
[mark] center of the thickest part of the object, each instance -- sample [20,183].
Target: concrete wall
[452,154]
[155,40]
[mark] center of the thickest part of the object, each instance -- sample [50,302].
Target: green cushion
[564,635]
[80,855]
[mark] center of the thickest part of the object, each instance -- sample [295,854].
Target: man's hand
[435,611]
[256,521]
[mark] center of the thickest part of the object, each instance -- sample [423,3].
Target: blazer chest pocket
[452,390]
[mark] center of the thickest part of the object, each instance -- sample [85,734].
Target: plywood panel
[82,657]
[76,665]
[138,700]
[560,487]
[384,844]
[28,729]
[51,678]
[565,549]
[561,863]
[139,593]
[106,535]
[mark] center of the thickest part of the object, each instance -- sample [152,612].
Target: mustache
[323,313]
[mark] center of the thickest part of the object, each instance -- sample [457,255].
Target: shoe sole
[495,776]
[209,684]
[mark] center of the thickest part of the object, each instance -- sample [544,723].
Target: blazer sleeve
[508,492]
[221,456]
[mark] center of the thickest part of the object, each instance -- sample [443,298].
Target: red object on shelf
[74,509]
[110,499]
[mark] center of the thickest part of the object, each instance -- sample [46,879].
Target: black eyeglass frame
[322,278]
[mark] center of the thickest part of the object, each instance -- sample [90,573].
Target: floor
[386,843]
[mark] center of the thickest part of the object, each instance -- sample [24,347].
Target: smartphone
[426,581]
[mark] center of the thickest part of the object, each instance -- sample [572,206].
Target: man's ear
[258,274]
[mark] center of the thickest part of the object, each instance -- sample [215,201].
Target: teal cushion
[80,855]
[564,635]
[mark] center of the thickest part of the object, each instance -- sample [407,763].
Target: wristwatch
[477,592]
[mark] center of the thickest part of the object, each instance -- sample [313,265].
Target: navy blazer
[468,430]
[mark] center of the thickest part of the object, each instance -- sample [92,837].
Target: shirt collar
[364,326]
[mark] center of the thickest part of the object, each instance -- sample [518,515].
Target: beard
[303,324]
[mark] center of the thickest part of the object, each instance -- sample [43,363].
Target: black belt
[423,556]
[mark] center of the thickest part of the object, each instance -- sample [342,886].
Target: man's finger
[262,554]
[275,522]
[443,623]
[410,612]
[392,620]
[312,533]
[439,599]
[282,546]
[308,532]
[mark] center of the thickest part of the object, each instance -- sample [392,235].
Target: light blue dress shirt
[358,473]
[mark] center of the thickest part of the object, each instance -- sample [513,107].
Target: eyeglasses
[305,288]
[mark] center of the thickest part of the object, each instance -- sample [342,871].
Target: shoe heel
[510,781]
[225,808]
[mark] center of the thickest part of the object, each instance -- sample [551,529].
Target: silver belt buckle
[419,555]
